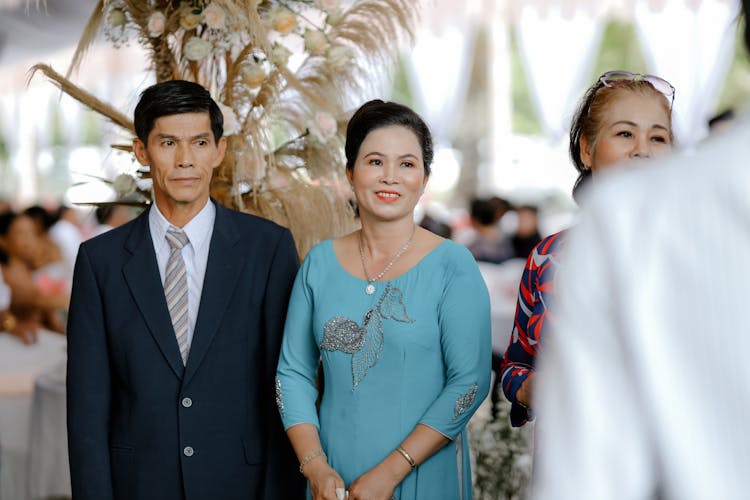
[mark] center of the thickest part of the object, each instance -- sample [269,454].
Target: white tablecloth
[20,366]
[48,442]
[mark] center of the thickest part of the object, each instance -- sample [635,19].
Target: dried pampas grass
[278,165]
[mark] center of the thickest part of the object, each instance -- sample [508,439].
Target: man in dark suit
[174,331]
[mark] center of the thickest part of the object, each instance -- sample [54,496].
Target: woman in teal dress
[400,319]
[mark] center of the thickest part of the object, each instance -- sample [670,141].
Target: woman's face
[22,240]
[635,126]
[388,175]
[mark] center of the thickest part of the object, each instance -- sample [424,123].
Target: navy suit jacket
[143,426]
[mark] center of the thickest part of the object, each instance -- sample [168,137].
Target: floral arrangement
[286,73]
[501,454]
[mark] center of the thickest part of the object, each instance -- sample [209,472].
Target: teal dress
[416,351]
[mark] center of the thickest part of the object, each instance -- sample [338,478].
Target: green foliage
[619,50]
[523,113]
[56,136]
[736,91]
[401,91]
[92,128]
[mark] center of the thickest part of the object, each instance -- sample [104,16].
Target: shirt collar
[198,229]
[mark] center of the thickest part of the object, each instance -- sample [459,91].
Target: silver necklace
[370,288]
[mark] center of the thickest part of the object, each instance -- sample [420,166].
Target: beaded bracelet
[408,458]
[309,457]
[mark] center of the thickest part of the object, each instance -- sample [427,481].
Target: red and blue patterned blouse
[531,321]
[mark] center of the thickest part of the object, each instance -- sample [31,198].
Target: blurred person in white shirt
[66,234]
[644,381]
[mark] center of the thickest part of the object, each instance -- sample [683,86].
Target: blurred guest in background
[501,207]
[48,251]
[721,122]
[19,245]
[527,234]
[489,244]
[23,329]
[623,117]
[644,384]
[67,235]
[434,225]
[111,216]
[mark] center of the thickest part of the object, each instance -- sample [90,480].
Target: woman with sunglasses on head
[623,117]
[400,320]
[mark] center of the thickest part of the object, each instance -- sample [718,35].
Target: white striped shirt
[199,231]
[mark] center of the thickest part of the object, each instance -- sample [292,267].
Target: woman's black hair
[377,114]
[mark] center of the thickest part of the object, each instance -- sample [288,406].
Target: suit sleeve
[282,480]
[88,387]
[466,342]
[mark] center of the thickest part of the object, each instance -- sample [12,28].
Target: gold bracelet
[9,323]
[309,458]
[408,458]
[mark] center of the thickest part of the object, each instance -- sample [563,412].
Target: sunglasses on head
[610,79]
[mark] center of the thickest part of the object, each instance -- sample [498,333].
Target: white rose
[335,15]
[231,124]
[280,55]
[328,5]
[283,20]
[215,17]
[253,75]
[197,48]
[339,56]
[157,22]
[190,21]
[124,185]
[324,126]
[316,42]
[116,18]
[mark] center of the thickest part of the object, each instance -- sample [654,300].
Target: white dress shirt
[643,389]
[4,294]
[195,253]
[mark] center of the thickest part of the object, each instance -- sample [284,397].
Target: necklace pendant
[370,289]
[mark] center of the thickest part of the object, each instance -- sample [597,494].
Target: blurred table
[48,442]
[20,366]
[502,282]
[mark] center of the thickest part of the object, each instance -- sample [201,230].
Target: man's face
[182,154]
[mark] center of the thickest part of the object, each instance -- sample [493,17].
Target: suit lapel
[142,276]
[222,272]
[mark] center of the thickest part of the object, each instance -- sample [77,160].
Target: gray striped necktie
[176,288]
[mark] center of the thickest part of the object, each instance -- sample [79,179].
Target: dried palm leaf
[89,36]
[87,99]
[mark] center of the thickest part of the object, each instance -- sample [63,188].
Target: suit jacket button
[188,451]
[187,402]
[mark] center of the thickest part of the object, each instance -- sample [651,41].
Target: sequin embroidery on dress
[365,342]
[279,400]
[464,402]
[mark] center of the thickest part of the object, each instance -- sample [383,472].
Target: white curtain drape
[558,45]
[440,64]
[690,44]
